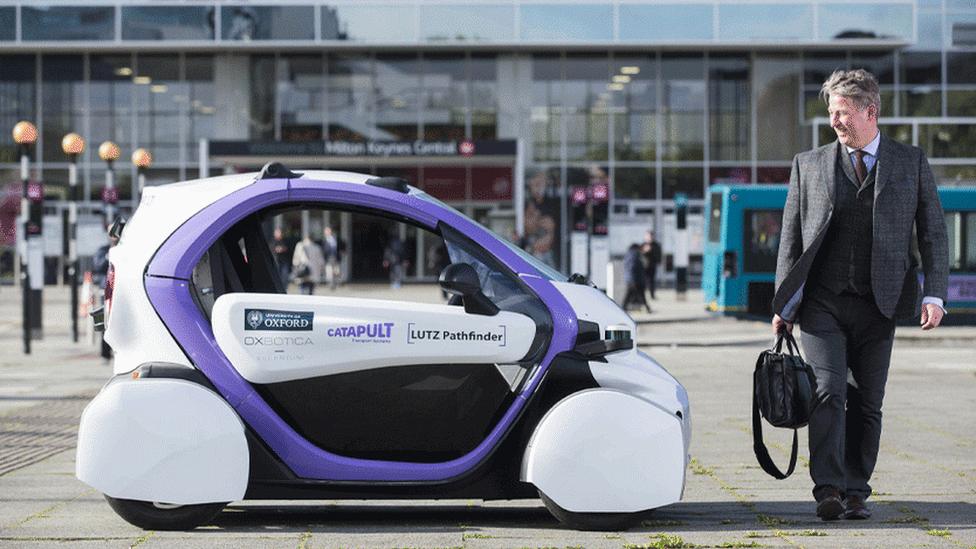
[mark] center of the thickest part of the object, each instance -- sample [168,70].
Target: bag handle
[759,447]
[791,345]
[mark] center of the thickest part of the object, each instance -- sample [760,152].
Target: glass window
[962,29]
[263,99]
[17,90]
[587,123]
[350,97]
[546,106]
[962,240]
[8,23]
[665,22]
[682,180]
[921,77]
[566,22]
[729,107]
[63,98]
[492,183]
[761,240]
[962,102]
[778,126]
[300,93]
[372,23]
[397,96]
[466,23]
[929,31]
[110,90]
[683,104]
[67,23]
[773,174]
[159,114]
[955,176]
[634,183]
[961,67]
[899,132]
[444,96]
[633,106]
[447,184]
[859,21]
[948,141]
[250,22]
[167,23]
[729,175]
[484,104]
[199,73]
[765,21]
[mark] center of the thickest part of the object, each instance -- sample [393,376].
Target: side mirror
[461,279]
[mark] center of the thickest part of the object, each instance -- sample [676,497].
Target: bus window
[761,240]
[954,228]
[715,223]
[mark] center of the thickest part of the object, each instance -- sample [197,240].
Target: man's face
[854,127]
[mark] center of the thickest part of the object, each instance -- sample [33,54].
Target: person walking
[308,265]
[846,272]
[634,278]
[393,259]
[282,254]
[651,256]
[330,250]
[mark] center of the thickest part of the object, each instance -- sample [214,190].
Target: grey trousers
[842,333]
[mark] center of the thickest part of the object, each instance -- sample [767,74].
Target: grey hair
[859,86]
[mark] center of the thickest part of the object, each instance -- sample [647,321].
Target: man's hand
[780,325]
[931,316]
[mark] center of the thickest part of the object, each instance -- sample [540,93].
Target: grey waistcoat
[844,261]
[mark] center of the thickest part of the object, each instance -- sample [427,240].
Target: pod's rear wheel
[161,516]
[602,522]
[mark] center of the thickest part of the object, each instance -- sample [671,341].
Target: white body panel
[605,451]
[321,335]
[162,440]
[594,306]
[133,328]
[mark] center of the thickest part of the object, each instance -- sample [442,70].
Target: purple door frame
[167,285]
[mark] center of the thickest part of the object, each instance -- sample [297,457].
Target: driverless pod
[226,388]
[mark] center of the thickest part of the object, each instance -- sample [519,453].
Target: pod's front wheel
[161,516]
[602,522]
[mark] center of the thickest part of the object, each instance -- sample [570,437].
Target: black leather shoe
[830,506]
[856,509]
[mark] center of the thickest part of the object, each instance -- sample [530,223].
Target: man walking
[651,254]
[846,272]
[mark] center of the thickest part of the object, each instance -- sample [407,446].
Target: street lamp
[109,152]
[143,160]
[73,145]
[25,135]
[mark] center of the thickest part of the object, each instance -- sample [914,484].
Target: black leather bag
[784,392]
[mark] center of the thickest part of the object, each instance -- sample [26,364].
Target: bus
[742,231]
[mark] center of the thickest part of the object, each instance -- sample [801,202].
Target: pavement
[925,482]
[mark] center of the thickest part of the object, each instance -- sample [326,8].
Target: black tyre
[601,522]
[158,516]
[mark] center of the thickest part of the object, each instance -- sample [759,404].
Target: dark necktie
[860,168]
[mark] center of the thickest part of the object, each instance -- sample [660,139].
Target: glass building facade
[660,97]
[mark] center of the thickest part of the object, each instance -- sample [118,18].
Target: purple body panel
[169,293]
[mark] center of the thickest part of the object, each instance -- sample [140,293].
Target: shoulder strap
[759,447]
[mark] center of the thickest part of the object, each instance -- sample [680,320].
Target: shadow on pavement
[685,517]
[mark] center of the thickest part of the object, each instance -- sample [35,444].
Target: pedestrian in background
[846,272]
[651,256]
[393,259]
[330,251]
[634,278]
[308,265]
[282,255]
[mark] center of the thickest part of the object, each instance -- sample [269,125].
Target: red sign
[601,192]
[466,148]
[110,195]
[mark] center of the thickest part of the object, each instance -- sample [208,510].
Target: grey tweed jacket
[905,197]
